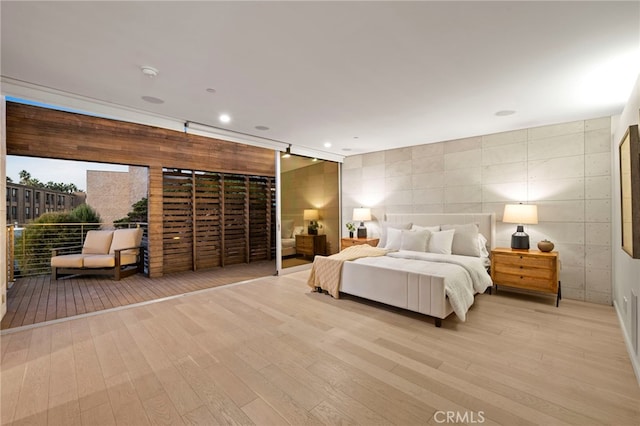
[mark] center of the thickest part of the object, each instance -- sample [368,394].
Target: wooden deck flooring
[38,299]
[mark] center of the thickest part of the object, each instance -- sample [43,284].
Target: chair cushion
[125,238]
[99,261]
[97,242]
[108,260]
[128,257]
[67,261]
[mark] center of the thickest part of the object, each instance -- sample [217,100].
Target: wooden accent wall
[41,132]
[215,219]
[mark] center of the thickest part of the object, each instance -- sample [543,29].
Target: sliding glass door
[309,208]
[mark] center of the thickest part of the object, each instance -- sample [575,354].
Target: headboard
[486,221]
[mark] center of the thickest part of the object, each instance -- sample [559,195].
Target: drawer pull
[521,267]
[520,256]
[520,277]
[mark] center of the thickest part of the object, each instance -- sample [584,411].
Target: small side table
[527,269]
[310,245]
[348,242]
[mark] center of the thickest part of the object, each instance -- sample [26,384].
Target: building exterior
[111,194]
[25,203]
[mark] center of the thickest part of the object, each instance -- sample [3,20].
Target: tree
[25,177]
[137,214]
[33,247]
[84,213]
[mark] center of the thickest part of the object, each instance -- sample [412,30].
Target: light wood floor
[270,352]
[37,299]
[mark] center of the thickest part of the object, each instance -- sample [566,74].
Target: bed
[411,277]
[288,237]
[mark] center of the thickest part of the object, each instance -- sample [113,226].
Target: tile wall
[565,169]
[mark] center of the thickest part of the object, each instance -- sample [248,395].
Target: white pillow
[415,240]
[428,228]
[465,240]
[440,242]
[394,239]
[384,226]
[286,231]
[482,242]
[298,230]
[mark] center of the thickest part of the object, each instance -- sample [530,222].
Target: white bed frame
[416,292]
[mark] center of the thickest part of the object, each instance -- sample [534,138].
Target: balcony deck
[38,299]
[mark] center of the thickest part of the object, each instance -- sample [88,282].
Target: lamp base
[520,239]
[362,231]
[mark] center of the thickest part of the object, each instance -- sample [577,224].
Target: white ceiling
[365,76]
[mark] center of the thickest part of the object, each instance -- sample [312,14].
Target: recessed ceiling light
[327,144]
[505,112]
[211,90]
[262,128]
[152,100]
[149,71]
[224,118]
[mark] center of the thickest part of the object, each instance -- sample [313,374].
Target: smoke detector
[149,71]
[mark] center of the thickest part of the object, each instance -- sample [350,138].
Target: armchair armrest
[117,251]
[139,259]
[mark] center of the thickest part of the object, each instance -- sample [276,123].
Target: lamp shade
[310,214]
[524,214]
[361,214]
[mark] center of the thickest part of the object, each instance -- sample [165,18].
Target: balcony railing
[29,246]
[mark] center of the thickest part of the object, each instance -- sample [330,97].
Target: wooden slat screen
[208,208]
[177,221]
[259,218]
[216,219]
[235,223]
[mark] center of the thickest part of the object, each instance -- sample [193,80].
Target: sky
[59,171]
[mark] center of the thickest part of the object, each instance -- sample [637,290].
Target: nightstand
[526,269]
[348,242]
[310,245]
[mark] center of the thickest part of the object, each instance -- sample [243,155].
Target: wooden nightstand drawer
[305,244]
[529,282]
[522,260]
[527,271]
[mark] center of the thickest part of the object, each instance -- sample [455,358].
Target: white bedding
[464,276]
[288,243]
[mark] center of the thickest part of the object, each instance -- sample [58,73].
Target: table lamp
[312,216]
[361,214]
[522,214]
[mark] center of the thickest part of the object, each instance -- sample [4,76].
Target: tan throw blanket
[325,272]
